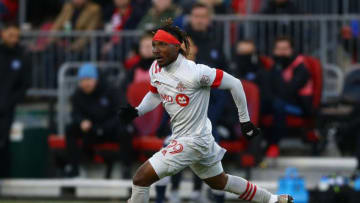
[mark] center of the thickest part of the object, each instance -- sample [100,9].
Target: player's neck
[171,68]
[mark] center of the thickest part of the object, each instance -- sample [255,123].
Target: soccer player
[183,88]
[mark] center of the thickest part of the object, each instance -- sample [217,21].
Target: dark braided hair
[182,36]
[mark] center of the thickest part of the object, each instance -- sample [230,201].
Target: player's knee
[218,182]
[138,180]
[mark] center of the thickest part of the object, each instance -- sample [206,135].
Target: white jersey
[184,89]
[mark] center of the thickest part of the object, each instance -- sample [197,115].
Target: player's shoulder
[191,66]
[188,70]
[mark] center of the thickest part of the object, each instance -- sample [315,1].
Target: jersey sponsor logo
[182,100]
[167,98]
[205,80]
[180,87]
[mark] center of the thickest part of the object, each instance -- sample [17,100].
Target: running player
[183,88]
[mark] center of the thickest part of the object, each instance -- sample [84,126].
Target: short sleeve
[208,77]
[152,86]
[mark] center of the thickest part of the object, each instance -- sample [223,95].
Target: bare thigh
[145,175]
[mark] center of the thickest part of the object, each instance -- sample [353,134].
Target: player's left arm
[216,78]
[234,85]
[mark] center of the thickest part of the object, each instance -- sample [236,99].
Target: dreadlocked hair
[182,36]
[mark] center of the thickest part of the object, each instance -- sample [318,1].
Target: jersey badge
[205,80]
[180,87]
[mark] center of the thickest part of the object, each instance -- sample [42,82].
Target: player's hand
[249,130]
[127,114]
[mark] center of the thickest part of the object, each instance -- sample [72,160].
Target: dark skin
[145,176]
[165,53]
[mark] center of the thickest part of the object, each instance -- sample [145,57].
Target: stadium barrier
[331,38]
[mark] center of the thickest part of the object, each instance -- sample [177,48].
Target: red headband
[164,36]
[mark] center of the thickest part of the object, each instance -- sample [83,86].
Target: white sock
[273,199]
[139,194]
[246,190]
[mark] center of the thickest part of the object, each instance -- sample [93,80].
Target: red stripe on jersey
[154,67]
[247,188]
[253,194]
[218,78]
[153,89]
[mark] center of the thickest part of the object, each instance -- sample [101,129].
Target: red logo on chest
[182,100]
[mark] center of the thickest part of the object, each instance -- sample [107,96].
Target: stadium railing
[331,38]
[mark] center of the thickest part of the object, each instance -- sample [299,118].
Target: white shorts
[204,160]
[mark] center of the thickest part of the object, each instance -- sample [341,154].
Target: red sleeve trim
[153,89]
[218,78]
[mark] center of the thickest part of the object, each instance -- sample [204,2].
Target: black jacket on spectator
[15,77]
[99,107]
[289,91]
[248,67]
[209,41]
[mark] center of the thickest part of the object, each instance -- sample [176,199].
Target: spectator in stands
[204,35]
[161,10]
[290,84]
[125,17]
[140,71]
[94,120]
[247,62]
[78,15]
[281,7]
[15,73]
[216,6]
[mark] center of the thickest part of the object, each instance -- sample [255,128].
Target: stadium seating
[104,153]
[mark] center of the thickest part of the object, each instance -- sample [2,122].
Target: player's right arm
[149,102]
[152,98]
[128,113]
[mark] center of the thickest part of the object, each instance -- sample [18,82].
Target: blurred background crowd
[67,65]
